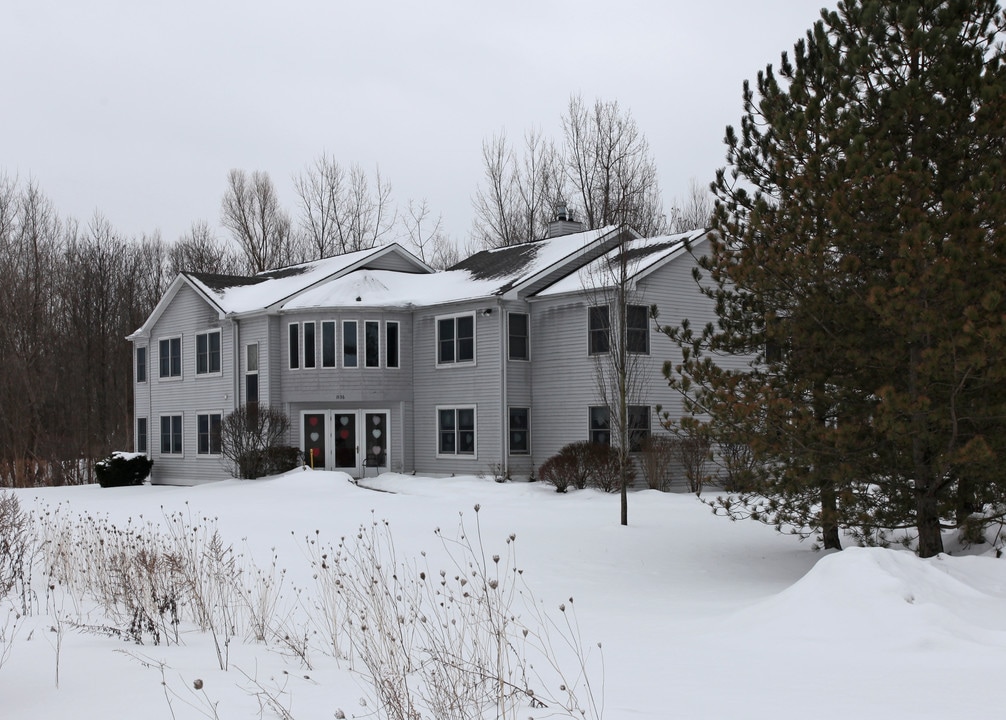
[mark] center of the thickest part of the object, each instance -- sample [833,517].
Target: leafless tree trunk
[251,211]
[618,372]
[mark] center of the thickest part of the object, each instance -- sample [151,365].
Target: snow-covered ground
[697,617]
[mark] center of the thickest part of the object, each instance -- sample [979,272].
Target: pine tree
[860,265]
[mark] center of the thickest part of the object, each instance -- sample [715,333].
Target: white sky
[139,109]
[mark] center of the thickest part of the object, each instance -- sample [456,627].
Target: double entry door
[353,441]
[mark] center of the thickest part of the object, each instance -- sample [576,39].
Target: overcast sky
[139,109]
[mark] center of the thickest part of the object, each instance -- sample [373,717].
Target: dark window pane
[164,358]
[176,434]
[141,435]
[203,434]
[252,358]
[349,357]
[600,431]
[328,344]
[518,336]
[372,343]
[637,330]
[215,422]
[251,388]
[466,430]
[466,338]
[202,354]
[392,342]
[176,356]
[446,431]
[519,443]
[141,364]
[214,350]
[294,346]
[445,340]
[165,434]
[598,330]
[309,353]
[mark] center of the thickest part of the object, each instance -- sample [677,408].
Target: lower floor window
[456,431]
[519,440]
[171,434]
[600,425]
[141,435]
[637,421]
[639,427]
[208,434]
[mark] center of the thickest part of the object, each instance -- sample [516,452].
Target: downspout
[236,363]
[504,366]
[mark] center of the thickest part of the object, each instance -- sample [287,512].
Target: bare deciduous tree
[340,210]
[519,193]
[427,237]
[695,211]
[609,168]
[199,250]
[251,211]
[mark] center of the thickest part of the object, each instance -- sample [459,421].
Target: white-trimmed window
[141,435]
[599,425]
[251,374]
[171,434]
[310,356]
[372,344]
[598,330]
[639,427]
[328,344]
[518,336]
[391,334]
[208,433]
[637,329]
[456,431]
[456,339]
[520,431]
[294,345]
[169,359]
[208,353]
[350,346]
[141,363]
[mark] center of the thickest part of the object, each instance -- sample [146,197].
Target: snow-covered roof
[642,256]
[238,295]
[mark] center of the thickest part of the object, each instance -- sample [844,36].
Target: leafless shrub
[658,461]
[692,451]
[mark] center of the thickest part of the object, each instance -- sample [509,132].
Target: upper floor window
[637,329]
[519,347]
[170,357]
[251,374]
[372,343]
[328,344]
[141,364]
[598,329]
[294,345]
[350,357]
[456,339]
[208,353]
[391,344]
[309,351]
